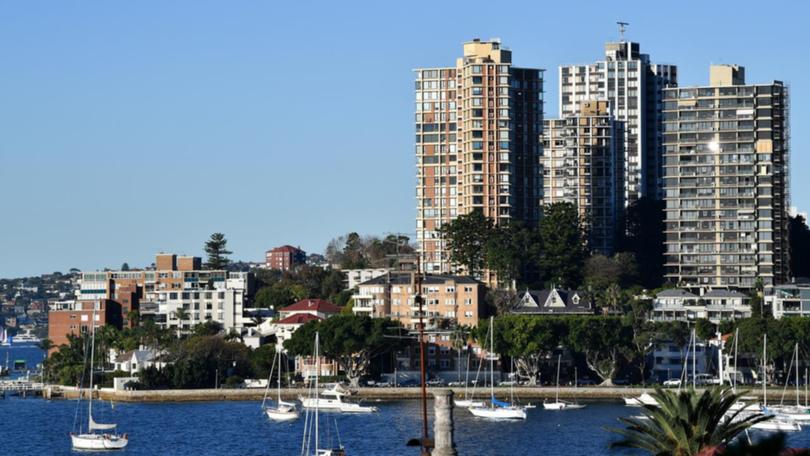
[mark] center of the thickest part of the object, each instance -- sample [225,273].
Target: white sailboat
[92,440]
[282,411]
[558,404]
[5,339]
[468,400]
[310,444]
[796,412]
[779,422]
[497,410]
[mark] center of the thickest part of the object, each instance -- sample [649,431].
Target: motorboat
[332,400]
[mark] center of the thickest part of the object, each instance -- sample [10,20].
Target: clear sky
[128,128]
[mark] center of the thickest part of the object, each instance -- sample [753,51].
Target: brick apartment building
[285,258]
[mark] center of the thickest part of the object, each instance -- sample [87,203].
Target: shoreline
[524,394]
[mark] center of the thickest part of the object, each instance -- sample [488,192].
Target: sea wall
[523,394]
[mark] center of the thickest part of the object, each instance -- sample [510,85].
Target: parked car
[435,382]
[672,383]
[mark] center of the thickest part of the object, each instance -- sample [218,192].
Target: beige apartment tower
[581,164]
[478,127]
[725,181]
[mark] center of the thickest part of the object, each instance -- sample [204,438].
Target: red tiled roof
[317,305]
[297,319]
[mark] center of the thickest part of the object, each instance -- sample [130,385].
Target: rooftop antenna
[622,28]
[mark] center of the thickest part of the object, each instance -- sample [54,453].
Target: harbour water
[36,427]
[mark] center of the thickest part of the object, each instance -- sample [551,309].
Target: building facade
[76,317]
[725,180]
[448,300]
[633,86]
[477,148]
[677,304]
[581,164]
[357,276]
[174,285]
[790,300]
[285,258]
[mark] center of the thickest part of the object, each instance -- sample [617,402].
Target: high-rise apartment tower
[478,128]
[581,164]
[633,86]
[725,181]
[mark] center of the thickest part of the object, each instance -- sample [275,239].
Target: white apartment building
[633,87]
[678,304]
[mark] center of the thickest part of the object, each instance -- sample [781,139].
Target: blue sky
[130,128]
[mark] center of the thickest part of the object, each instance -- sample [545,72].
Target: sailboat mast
[491,361]
[279,379]
[317,388]
[764,370]
[736,339]
[92,356]
[557,396]
[694,358]
[798,403]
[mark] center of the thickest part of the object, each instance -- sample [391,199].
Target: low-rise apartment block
[177,287]
[790,299]
[714,305]
[79,316]
[448,300]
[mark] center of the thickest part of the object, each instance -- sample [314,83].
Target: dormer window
[575,299]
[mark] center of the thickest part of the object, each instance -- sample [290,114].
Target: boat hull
[466,403]
[98,442]
[281,414]
[499,413]
[336,405]
[561,406]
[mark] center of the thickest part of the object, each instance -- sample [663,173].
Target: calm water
[31,354]
[38,427]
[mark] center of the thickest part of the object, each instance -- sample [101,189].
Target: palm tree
[686,423]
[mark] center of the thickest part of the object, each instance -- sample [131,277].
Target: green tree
[704,329]
[351,340]
[686,423]
[467,238]
[278,296]
[605,341]
[262,360]
[217,252]
[125,267]
[528,339]
[563,256]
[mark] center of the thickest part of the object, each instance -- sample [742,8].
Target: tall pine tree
[216,251]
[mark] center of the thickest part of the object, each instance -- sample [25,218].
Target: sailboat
[282,411]
[92,440]
[779,422]
[468,400]
[558,404]
[5,339]
[796,412]
[497,410]
[310,444]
